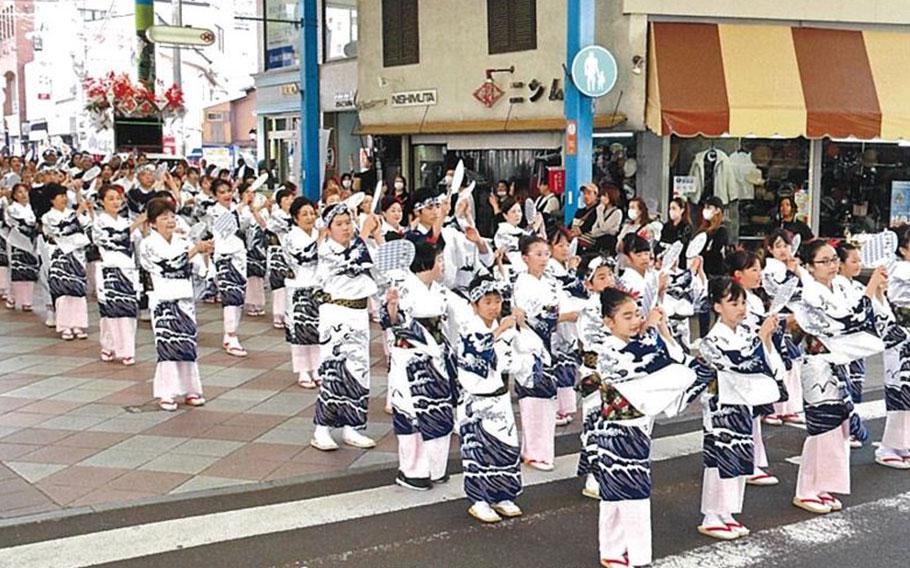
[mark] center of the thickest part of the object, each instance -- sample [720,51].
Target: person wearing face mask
[715,248]
[640,222]
[679,228]
[400,190]
[346,182]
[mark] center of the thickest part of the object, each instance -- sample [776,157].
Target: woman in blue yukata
[170,260]
[422,370]
[344,283]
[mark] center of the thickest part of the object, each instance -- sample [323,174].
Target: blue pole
[578,107]
[309,100]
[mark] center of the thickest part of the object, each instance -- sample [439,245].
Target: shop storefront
[756,113]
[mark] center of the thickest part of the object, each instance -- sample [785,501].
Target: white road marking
[165,536]
[771,546]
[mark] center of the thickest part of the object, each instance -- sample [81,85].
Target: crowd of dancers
[469,323]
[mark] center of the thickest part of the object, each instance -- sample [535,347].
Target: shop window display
[750,175]
[859,180]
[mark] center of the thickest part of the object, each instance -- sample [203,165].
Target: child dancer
[745,270]
[169,258]
[591,337]
[780,266]
[24,266]
[279,224]
[302,317]
[344,284]
[64,230]
[536,297]
[257,243]
[744,360]
[117,278]
[420,376]
[561,270]
[838,331]
[894,450]
[489,439]
[230,262]
[641,373]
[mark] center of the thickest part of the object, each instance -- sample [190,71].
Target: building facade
[278,87]
[752,100]
[16,52]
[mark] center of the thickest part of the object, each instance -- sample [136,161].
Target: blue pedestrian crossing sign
[594,71]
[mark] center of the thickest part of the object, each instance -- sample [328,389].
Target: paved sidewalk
[75,431]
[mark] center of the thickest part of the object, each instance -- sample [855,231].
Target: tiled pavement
[75,431]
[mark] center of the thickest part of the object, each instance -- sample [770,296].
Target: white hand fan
[671,257]
[197,231]
[573,247]
[353,202]
[377,197]
[226,225]
[10,179]
[107,158]
[394,255]
[457,177]
[648,297]
[697,245]
[259,182]
[259,201]
[91,173]
[530,211]
[467,195]
[783,295]
[879,249]
[794,244]
[161,170]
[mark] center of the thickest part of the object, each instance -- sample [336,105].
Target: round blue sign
[594,71]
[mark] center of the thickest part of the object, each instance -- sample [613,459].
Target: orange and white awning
[763,80]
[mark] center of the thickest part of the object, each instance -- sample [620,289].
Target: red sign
[556,179]
[169,145]
[488,93]
[571,138]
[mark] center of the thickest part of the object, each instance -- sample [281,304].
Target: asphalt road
[559,528]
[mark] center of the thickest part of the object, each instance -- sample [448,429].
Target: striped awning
[762,80]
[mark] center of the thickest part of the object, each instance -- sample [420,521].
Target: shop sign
[683,186]
[289,89]
[594,71]
[571,138]
[344,100]
[900,202]
[488,93]
[426,97]
[556,179]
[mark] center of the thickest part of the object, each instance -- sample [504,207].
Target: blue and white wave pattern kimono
[117,274]
[344,282]
[422,366]
[279,225]
[24,263]
[572,297]
[66,243]
[746,377]
[300,255]
[230,254]
[539,299]
[840,330]
[635,381]
[490,452]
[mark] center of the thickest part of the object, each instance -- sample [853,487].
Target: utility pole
[145,18]
[309,101]
[578,108]
[178,80]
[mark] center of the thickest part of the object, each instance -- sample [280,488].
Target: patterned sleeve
[476,363]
